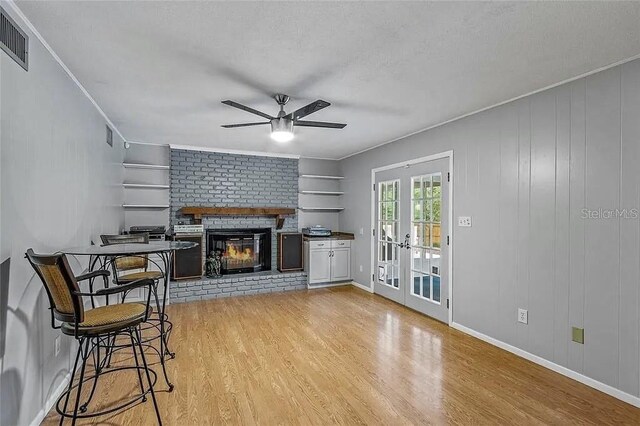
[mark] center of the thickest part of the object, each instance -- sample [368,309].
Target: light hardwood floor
[345,356]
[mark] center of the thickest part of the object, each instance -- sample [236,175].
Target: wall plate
[464,221]
[523,316]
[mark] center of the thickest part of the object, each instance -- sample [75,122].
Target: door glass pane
[387,232]
[389,275]
[436,197]
[426,261]
[426,287]
[396,276]
[417,189]
[426,207]
[435,237]
[416,258]
[435,274]
[426,185]
[427,235]
[426,198]
[416,287]
[417,210]
[418,234]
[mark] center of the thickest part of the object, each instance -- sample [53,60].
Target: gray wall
[524,172]
[60,187]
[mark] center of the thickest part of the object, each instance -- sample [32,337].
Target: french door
[411,236]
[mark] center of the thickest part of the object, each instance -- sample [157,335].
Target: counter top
[334,236]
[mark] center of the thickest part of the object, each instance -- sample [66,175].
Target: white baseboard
[48,405]
[609,390]
[315,286]
[362,287]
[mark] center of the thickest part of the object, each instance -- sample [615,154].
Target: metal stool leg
[146,369]
[135,357]
[73,375]
[97,371]
[84,364]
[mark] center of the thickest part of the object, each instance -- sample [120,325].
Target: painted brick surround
[200,178]
[236,285]
[214,179]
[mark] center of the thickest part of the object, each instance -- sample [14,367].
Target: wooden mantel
[198,212]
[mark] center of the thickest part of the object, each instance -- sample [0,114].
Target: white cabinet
[340,264]
[328,261]
[319,266]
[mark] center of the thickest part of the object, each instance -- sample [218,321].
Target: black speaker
[188,263]
[290,252]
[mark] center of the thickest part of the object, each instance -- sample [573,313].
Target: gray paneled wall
[61,187]
[525,172]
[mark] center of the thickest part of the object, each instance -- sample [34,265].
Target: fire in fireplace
[242,250]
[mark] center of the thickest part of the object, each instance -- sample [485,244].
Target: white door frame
[445,154]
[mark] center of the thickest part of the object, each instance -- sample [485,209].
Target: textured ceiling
[160,69]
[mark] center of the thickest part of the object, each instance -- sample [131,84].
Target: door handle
[407,240]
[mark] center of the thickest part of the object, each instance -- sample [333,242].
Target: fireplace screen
[241,250]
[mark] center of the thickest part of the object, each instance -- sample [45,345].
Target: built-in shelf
[322,192]
[145,166]
[144,186]
[321,209]
[145,206]
[322,177]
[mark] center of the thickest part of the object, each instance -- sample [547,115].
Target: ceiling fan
[282,125]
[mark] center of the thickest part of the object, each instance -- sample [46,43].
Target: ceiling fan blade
[231,126]
[246,108]
[309,109]
[319,124]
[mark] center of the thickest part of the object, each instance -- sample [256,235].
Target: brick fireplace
[200,178]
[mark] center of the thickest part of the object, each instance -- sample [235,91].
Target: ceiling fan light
[282,136]
[281,130]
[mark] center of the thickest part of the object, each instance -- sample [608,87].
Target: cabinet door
[319,266]
[341,264]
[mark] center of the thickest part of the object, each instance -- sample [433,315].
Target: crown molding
[15,9]
[233,151]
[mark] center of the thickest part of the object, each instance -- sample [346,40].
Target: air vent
[13,40]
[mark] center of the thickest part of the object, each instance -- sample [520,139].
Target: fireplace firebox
[242,250]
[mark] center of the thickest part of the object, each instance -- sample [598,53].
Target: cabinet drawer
[340,243]
[319,244]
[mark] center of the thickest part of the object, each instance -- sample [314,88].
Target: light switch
[464,221]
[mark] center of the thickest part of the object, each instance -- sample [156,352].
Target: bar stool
[93,328]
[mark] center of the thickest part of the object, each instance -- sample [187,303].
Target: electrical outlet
[361,233]
[464,221]
[523,316]
[361,268]
[56,346]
